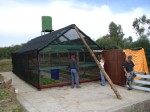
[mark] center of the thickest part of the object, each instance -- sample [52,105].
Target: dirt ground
[6,103]
[91,97]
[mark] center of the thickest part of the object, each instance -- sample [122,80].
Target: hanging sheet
[139,59]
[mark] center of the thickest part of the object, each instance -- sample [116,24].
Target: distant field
[5,65]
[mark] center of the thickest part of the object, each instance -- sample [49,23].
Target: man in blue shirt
[73,67]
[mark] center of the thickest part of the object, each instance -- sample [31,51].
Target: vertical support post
[99,66]
[38,63]
[77,57]
[28,68]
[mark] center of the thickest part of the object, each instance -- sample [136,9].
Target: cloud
[22,22]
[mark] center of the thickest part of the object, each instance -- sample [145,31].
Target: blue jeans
[74,77]
[131,77]
[103,81]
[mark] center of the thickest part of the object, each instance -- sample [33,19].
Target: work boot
[78,86]
[130,86]
[127,83]
[72,87]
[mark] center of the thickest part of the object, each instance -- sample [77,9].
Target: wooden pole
[99,66]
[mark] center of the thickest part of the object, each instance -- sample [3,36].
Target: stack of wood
[2,84]
[8,84]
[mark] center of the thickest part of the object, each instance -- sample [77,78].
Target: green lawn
[8,105]
[5,65]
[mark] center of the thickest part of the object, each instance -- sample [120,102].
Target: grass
[46,81]
[1,78]
[6,103]
[3,94]
[5,65]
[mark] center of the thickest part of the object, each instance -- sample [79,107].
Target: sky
[20,20]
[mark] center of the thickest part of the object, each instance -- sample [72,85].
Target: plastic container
[55,74]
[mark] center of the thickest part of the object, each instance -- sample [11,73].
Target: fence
[143,83]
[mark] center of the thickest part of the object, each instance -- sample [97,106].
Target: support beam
[99,66]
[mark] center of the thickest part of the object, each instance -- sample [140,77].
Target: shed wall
[114,60]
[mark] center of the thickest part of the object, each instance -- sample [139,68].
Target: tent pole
[99,66]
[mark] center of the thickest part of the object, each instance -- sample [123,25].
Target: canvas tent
[139,59]
[43,61]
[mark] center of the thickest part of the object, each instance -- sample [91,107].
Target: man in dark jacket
[73,67]
[129,73]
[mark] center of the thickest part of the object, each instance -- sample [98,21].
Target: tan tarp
[139,59]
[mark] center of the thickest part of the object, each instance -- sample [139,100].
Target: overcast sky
[20,20]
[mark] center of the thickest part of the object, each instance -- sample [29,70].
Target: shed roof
[44,40]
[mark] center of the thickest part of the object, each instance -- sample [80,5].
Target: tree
[142,26]
[127,42]
[144,42]
[106,43]
[130,39]
[116,33]
[113,40]
[5,52]
[113,30]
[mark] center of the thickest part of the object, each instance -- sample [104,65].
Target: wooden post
[99,66]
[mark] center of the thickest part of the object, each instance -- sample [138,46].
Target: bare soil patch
[7,103]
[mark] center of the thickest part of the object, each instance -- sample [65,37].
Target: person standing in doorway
[74,71]
[129,73]
[102,61]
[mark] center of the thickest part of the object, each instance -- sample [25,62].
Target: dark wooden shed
[114,66]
